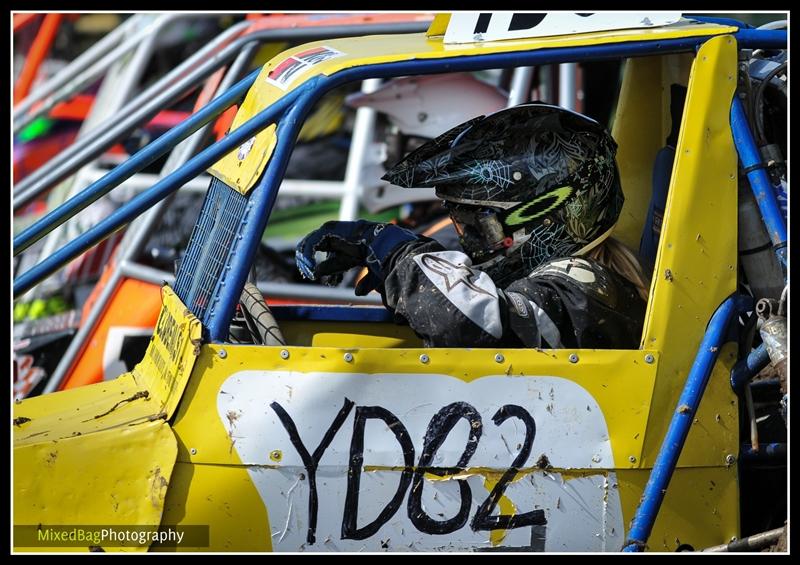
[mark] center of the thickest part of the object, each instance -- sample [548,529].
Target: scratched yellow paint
[700,508]
[505,505]
[225,498]
[73,412]
[620,381]
[698,239]
[91,455]
[91,463]
[242,174]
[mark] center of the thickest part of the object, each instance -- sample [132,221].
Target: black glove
[348,245]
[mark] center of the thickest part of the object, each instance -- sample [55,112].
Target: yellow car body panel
[114,477]
[236,517]
[103,454]
[700,508]
[696,264]
[619,381]
[630,374]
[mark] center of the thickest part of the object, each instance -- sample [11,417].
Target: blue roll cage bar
[289,113]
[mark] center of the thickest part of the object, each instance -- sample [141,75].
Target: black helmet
[524,184]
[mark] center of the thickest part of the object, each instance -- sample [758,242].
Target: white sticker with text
[468,27]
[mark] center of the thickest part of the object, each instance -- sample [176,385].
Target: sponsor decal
[285,72]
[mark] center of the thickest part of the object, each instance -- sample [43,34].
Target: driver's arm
[445,301]
[567,302]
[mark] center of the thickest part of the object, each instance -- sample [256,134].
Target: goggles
[479,229]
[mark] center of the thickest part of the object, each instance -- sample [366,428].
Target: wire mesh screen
[209,246]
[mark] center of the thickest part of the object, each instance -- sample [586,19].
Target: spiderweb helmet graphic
[523,185]
[544,243]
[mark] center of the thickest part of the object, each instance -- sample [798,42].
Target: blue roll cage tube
[682,417]
[749,367]
[135,163]
[296,106]
[757,175]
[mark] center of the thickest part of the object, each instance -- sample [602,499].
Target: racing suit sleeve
[444,300]
[567,302]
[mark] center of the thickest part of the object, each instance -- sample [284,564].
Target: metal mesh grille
[209,245]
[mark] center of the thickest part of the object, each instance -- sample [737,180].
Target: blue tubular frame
[133,165]
[262,197]
[760,39]
[668,454]
[143,201]
[747,37]
[255,220]
[749,367]
[759,180]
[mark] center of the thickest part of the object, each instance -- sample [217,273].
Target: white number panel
[468,27]
[349,462]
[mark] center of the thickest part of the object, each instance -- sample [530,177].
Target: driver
[534,194]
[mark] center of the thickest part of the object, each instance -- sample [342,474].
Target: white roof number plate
[469,27]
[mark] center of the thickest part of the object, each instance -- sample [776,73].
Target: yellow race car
[352,436]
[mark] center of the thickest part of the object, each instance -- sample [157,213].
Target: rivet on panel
[193,451]
[499,358]
[222,354]
[424,358]
[649,358]
[632,459]
[348,357]
[284,354]
[573,358]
